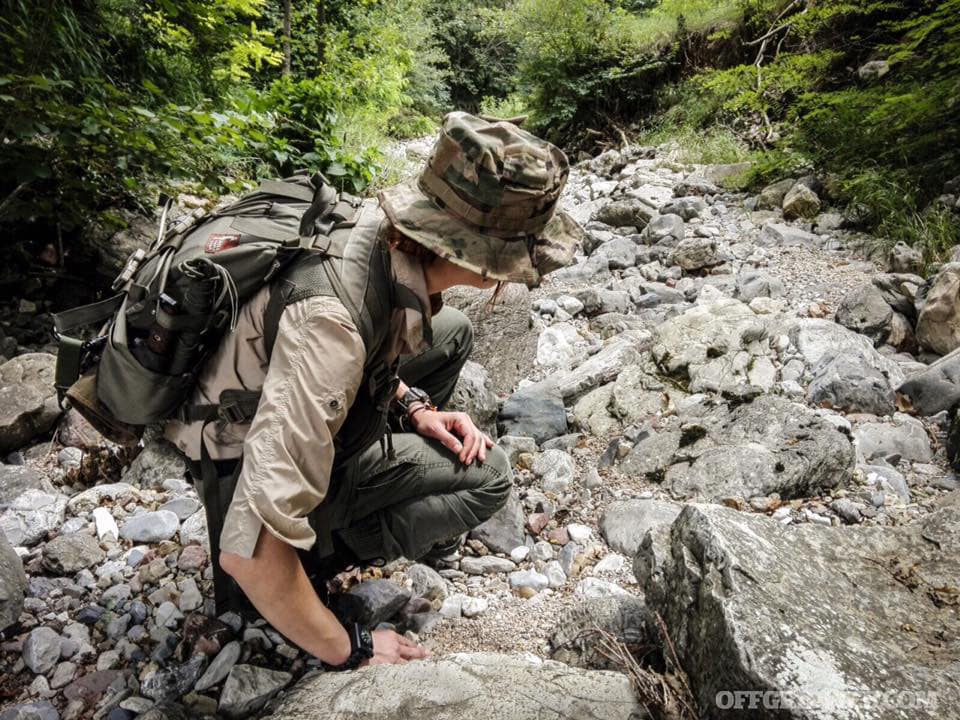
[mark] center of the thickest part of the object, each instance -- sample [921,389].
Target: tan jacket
[308,386]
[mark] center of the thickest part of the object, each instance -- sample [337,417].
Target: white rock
[151,527]
[579,533]
[473,606]
[519,554]
[612,563]
[106,525]
[556,577]
[592,587]
[452,606]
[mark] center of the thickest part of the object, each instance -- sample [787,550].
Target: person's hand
[389,648]
[456,431]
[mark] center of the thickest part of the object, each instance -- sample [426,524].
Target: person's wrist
[341,648]
[416,410]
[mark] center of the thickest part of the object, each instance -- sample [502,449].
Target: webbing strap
[91,314]
[69,359]
[287,190]
[257,227]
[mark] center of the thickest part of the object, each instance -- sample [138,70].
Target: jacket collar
[415,304]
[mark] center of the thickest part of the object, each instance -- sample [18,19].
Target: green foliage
[888,201]
[581,64]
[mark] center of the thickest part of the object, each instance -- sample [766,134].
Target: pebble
[556,577]
[543,551]
[220,667]
[592,587]
[151,527]
[168,615]
[487,565]
[474,606]
[529,579]
[41,650]
[579,533]
[612,563]
[519,554]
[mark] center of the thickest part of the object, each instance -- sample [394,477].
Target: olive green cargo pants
[385,507]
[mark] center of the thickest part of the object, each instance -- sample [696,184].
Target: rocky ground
[730,430]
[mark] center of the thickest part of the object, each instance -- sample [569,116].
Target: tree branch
[12,196]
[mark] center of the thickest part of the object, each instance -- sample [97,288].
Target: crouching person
[334,448]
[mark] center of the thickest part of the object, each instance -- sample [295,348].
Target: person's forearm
[278,587]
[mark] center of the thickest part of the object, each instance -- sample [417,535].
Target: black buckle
[232,413]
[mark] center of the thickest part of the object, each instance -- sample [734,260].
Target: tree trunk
[286,38]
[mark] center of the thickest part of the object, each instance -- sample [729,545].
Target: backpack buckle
[129,269]
[232,413]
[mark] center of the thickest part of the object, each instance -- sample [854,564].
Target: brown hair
[396,240]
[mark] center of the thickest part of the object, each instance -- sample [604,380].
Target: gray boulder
[695,253]
[652,453]
[372,602]
[621,253]
[32,516]
[158,461]
[151,527]
[69,554]
[781,235]
[938,325]
[28,399]
[904,437]
[13,582]
[903,258]
[800,202]
[475,396]
[757,283]
[714,345]
[534,411]
[16,480]
[686,207]
[770,445]
[248,688]
[743,601]
[843,383]
[864,310]
[665,229]
[624,523]
[503,531]
[935,389]
[38,710]
[695,185]
[465,686]
[815,338]
[626,213]
[771,197]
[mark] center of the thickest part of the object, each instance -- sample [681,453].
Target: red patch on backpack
[218,242]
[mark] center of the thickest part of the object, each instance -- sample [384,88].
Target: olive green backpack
[176,299]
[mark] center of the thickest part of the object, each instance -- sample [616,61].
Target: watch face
[366,641]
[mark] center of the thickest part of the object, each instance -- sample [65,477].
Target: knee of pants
[499,477]
[461,331]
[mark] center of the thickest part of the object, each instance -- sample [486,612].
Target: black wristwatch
[361,648]
[413,395]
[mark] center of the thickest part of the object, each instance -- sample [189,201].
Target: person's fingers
[405,641]
[414,652]
[448,440]
[490,443]
[482,449]
[470,443]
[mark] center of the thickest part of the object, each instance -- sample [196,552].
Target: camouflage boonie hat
[487,201]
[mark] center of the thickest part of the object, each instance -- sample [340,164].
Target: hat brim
[505,259]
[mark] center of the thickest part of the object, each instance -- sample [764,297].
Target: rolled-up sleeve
[315,371]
